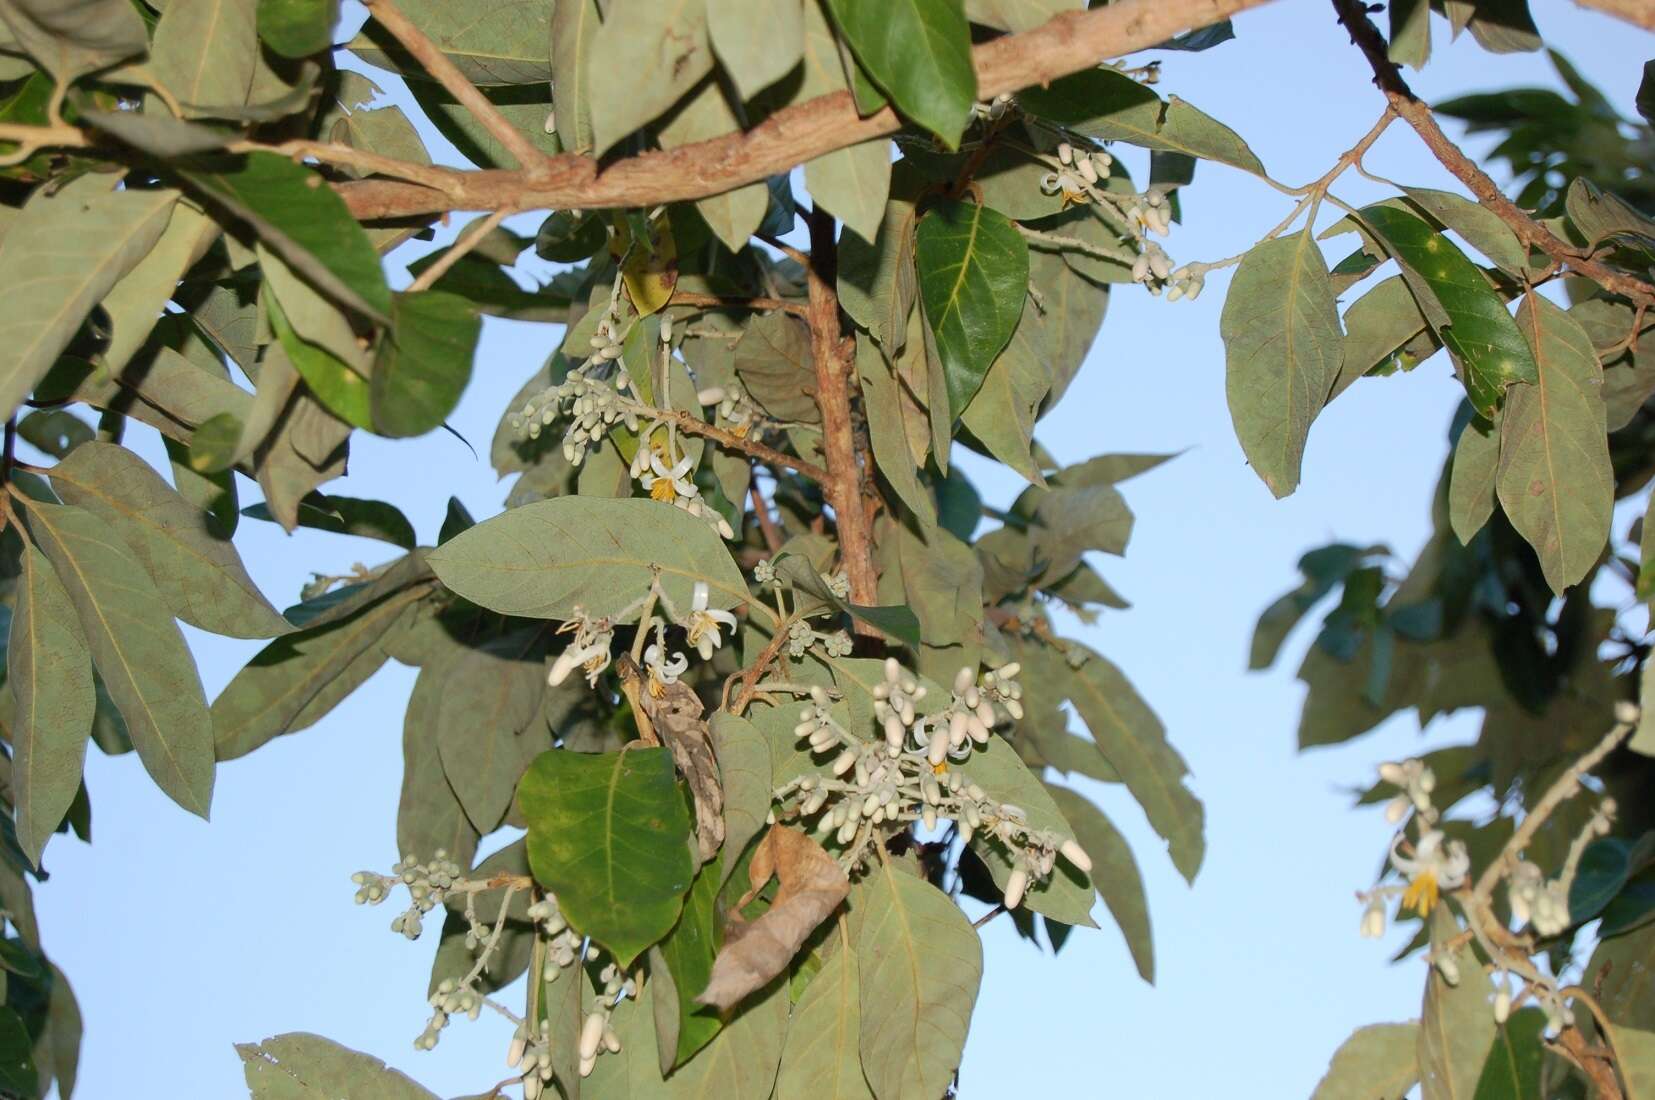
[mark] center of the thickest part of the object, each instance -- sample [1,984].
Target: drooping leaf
[919,962]
[877,283]
[430,818]
[307,224]
[1471,479]
[298,1066]
[136,302]
[1376,1063]
[492,45]
[1133,740]
[822,1056]
[744,770]
[774,362]
[71,38]
[609,834]
[425,362]
[664,49]
[574,22]
[810,886]
[199,575]
[682,1026]
[332,381]
[1554,478]
[1114,872]
[733,215]
[545,559]
[1480,226]
[204,53]
[297,28]
[66,250]
[1466,313]
[919,53]
[1456,1028]
[1282,350]
[756,45]
[49,672]
[17,1068]
[973,268]
[491,697]
[369,519]
[1379,327]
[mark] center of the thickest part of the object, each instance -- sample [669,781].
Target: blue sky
[182,937]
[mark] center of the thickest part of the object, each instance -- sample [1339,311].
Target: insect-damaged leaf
[810,886]
[609,834]
[298,1066]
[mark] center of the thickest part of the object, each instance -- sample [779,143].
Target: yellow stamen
[1421,895]
[663,491]
[656,687]
[939,769]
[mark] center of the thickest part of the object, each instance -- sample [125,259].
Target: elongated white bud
[586,1065]
[1015,885]
[1373,922]
[1009,670]
[893,669]
[532,1085]
[1397,808]
[1013,708]
[929,816]
[1502,1005]
[985,713]
[514,1052]
[895,731]
[1075,854]
[1065,153]
[844,762]
[611,1041]
[963,679]
[937,751]
[591,1034]
[561,668]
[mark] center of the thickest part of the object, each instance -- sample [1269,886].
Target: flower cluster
[593,644]
[905,775]
[597,1036]
[1078,173]
[733,407]
[592,398]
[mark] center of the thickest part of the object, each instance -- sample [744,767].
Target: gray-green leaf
[973,268]
[919,53]
[1376,1063]
[298,1066]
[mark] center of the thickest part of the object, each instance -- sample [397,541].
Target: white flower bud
[1393,773]
[844,762]
[1088,171]
[895,731]
[591,1034]
[1015,885]
[611,1041]
[1013,708]
[586,1065]
[561,668]
[1373,921]
[1397,808]
[1502,1004]
[532,1086]
[514,1052]
[928,816]
[957,726]
[1626,713]
[1065,153]
[1448,968]
[937,751]
[962,679]
[1075,854]
[893,670]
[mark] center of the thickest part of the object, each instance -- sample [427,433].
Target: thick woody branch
[843,486]
[1640,13]
[1067,44]
[1353,14]
[435,62]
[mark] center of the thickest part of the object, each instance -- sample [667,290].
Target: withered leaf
[810,886]
[675,715]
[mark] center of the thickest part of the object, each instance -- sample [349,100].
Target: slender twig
[749,676]
[686,422]
[761,508]
[435,62]
[1353,14]
[988,916]
[843,486]
[1057,242]
[719,301]
[469,239]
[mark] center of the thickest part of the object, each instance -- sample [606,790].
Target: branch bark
[1067,44]
[1353,14]
[1640,13]
[843,486]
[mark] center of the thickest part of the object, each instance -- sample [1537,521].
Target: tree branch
[435,62]
[684,422]
[843,486]
[719,301]
[1640,13]
[1353,14]
[1067,44]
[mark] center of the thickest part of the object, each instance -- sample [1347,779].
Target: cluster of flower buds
[428,884]
[1187,282]
[876,781]
[1078,174]
[596,1035]
[1434,864]
[591,398]
[1151,212]
[1416,781]
[994,110]
[530,1053]
[450,998]
[733,407]
[562,942]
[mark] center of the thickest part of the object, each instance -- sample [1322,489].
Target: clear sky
[182,937]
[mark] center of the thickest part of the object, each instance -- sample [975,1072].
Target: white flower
[1373,920]
[664,669]
[669,484]
[1438,864]
[702,630]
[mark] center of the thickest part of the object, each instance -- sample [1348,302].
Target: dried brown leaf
[810,886]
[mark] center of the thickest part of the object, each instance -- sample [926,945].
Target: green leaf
[1604,868]
[1480,226]
[429,815]
[295,680]
[339,389]
[1464,310]
[298,1066]
[1471,478]
[492,44]
[297,28]
[138,300]
[309,314]
[302,220]
[877,285]
[774,361]
[204,53]
[687,952]
[609,834]
[1456,1029]
[1114,872]
[920,963]
[663,49]
[756,45]
[1554,481]
[543,560]
[973,268]
[1376,1063]
[486,729]
[50,673]
[1635,1055]
[424,363]
[55,431]
[895,621]
[71,38]
[136,647]
[822,1056]
[1410,33]
[66,250]
[852,184]
[200,576]
[1017,15]
[919,53]
[1379,327]
[1282,352]
[574,22]
[1110,105]
[369,519]
[744,772]
[17,1068]
[734,215]
[1133,740]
